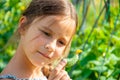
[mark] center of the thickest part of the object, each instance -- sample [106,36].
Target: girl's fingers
[62,75]
[59,76]
[65,77]
[57,69]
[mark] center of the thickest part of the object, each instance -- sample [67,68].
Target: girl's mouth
[44,55]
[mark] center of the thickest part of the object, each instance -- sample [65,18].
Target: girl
[45,32]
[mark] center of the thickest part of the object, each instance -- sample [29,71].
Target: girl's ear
[22,25]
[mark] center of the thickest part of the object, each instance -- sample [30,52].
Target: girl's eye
[46,33]
[61,42]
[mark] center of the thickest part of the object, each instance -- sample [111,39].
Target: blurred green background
[98,36]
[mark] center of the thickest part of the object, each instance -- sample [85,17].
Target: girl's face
[46,38]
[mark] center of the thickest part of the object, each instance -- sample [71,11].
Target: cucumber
[72,61]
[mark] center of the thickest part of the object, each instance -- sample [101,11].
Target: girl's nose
[50,46]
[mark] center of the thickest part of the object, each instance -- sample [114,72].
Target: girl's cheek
[40,39]
[60,52]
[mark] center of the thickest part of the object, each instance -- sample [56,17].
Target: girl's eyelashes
[62,42]
[46,33]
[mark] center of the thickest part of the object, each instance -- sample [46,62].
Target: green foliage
[10,11]
[100,59]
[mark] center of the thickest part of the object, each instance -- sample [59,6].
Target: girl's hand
[58,73]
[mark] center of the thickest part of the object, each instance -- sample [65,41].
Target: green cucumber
[72,61]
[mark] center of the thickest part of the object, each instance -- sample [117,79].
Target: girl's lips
[43,55]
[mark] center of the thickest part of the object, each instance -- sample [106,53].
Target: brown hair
[49,7]
[39,8]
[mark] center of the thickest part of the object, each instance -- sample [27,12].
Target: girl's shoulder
[9,76]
